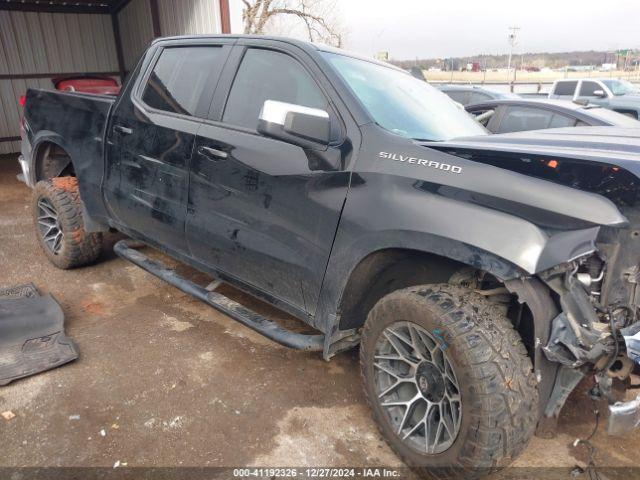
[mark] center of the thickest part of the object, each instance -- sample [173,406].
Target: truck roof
[589,79]
[541,101]
[308,46]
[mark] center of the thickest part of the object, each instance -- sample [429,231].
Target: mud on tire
[59,226]
[498,398]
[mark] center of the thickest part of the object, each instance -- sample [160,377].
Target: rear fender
[91,200]
[76,123]
[40,143]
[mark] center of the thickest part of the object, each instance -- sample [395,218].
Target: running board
[249,318]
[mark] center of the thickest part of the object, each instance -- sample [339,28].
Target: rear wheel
[57,213]
[448,380]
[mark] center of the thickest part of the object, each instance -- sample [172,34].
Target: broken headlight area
[597,330]
[584,331]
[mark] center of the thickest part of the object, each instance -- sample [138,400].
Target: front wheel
[448,380]
[57,215]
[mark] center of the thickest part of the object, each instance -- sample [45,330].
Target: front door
[261,210]
[151,140]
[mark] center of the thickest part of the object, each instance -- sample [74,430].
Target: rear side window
[559,121]
[518,119]
[565,88]
[180,77]
[268,75]
[587,89]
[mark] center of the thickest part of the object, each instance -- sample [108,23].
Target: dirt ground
[164,380]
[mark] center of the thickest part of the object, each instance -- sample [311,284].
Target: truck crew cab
[483,276]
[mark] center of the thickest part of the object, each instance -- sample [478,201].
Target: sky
[436,29]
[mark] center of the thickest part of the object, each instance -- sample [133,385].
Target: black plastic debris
[32,337]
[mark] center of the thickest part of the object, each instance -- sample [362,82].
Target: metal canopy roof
[64,6]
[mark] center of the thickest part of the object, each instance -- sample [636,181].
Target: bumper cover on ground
[623,417]
[32,337]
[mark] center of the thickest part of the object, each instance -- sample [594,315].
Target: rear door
[153,130]
[587,92]
[261,210]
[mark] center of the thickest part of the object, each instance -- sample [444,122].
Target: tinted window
[179,78]
[518,119]
[477,97]
[268,75]
[483,115]
[565,88]
[458,96]
[587,89]
[559,121]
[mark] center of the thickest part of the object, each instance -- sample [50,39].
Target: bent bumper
[623,417]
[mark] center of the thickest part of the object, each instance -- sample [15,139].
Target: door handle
[122,130]
[212,153]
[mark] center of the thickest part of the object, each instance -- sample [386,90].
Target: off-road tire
[77,247]
[499,397]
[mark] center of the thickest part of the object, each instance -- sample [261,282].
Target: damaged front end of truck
[592,297]
[597,330]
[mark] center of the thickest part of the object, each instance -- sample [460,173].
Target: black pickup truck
[483,276]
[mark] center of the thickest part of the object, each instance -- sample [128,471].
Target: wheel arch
[351,266]
[382,271]
[386,269]
[51,158]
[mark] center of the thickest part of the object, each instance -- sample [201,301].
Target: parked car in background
[470,94]
[618,95]
[97,84]
[517,115]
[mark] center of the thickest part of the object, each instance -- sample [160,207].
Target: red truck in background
[97,84]
[101,85]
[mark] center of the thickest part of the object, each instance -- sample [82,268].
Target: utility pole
[513,41]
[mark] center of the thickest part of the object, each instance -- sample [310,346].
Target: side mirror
[599,94]
[295,124]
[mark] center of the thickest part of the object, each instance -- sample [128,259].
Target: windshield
[619,87]
[403,104]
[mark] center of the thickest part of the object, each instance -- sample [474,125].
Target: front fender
[388,211]
[398,212]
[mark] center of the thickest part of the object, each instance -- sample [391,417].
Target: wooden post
[225,16]
[155,18]
[116,35]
